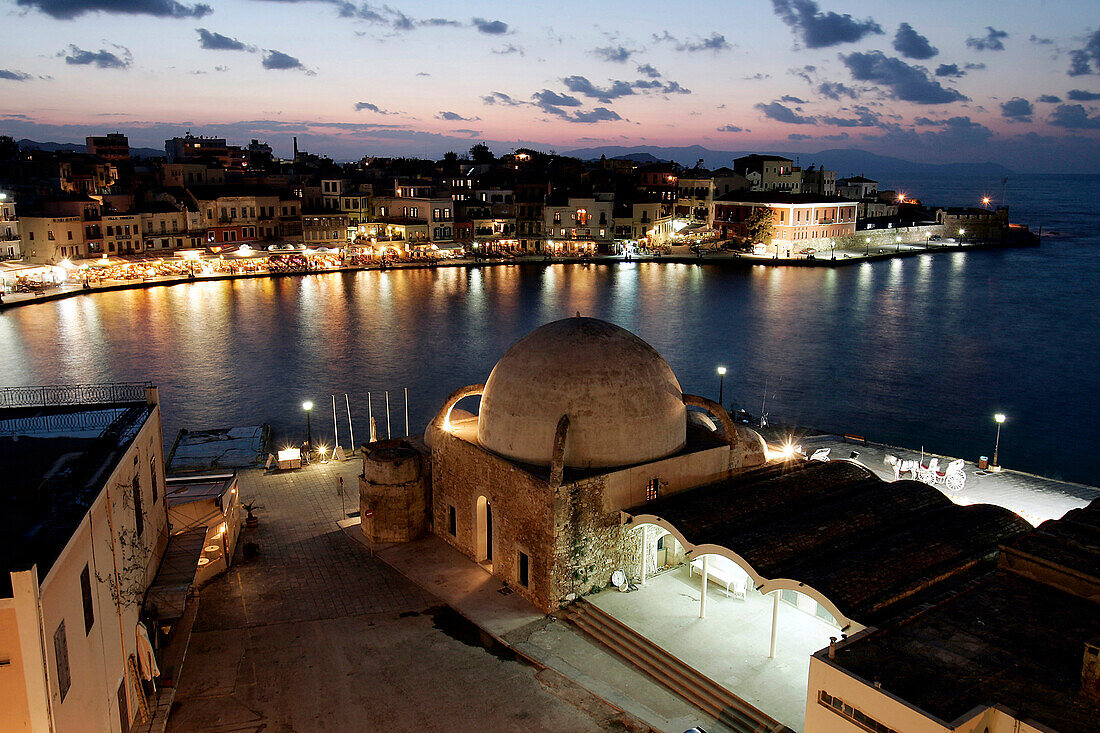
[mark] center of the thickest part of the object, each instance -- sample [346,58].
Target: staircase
[680,678]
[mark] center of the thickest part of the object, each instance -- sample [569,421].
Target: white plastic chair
[821,454]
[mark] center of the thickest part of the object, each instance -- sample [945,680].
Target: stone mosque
[578,421]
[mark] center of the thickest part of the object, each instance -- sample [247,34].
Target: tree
[450,159]
[761,225]
[481,153]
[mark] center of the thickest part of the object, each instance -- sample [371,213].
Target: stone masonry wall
[521,506]
[395,485]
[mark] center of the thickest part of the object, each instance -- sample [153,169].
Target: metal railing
[57,395]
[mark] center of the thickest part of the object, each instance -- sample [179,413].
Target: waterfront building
[246,213]
[770,172]
[649,223]
[358,206]
[192,149]
[52,239]
[818,181]
[856,188]
[800,220]
[122,234]
[9,228]
[324,228]
[579,225]
[184,175]
[84,529]
[697,193]
[166,226]
[113,147]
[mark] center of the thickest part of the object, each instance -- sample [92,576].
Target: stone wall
[522,510]
[395,485]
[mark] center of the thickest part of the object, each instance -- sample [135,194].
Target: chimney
[832,647]
[1090,672]
[295,147]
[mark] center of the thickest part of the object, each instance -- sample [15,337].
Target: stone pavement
[313,634]
[1034,498]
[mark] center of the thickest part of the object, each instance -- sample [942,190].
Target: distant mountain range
[78,148]
[845,162]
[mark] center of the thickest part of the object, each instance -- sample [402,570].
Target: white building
[9,228]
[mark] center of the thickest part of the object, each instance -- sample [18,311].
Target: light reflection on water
[917,352]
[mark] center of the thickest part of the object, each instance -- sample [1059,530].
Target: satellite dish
[618,579]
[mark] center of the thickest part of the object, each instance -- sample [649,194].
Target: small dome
[624,403]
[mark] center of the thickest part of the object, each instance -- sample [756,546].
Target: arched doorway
[484,531]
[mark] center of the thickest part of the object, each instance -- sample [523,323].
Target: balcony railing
[73,394]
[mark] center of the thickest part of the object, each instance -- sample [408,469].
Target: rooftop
[780,197]
[872,548]
[55,458]
[1004,640]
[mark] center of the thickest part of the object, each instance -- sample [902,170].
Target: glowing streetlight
[999,418]
[307,406]
[985,201]
[721,382]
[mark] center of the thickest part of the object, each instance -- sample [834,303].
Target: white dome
[624,403]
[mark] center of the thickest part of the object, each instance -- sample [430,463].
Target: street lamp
[721,382]
[999,418]
[307,406]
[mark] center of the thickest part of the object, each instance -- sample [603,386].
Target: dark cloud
[782,113]
[67,9]
[492,27]
[547,99]
[1074,117]
[599,114]
[952,71]
[714,42]
[370,107]
[508,50]
[581,85]
[1080,95]
[821,30]
[993,40]
[837,136]
[212,41]
[455,117]
[913,45]
[614,54]
[10,75]
[974,67]
[279,61]
[1086,60]
[501,98]
[1049,99]
[731,128]
[758,76]
[1040,41]
[672,87]
[836,90]
[1017,109]
[648,70]
[910,83]
[798,137]
[864,118]
[103,59]
[791,99]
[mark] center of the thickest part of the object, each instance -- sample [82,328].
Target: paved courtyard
[315,635]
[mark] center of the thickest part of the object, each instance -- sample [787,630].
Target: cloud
[455,117]
[913,45]
[758,76]
[798,136]
[714,42]
[1074,117]
[906,82]
[551,102]
[864,118]
[791,99]
[1040,41]
[370,107]
[782,113]
[821,30]
[731,128]
[279,61]
[836,90]
[1080,95]
[599,114]
[581,85]
[217,42]
[491,27]
[508,50]
[1018,109]
[993,40]
[974,67]
[68,9]
[501,98]
[1087,58]
[10,75]
[614,54]
[103,59]
[1049,99]
[648,70]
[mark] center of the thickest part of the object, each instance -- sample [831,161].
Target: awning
[167,596]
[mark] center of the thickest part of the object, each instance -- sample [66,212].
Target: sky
[1010,81]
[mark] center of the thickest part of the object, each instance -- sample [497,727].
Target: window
[86,597]
[153,475]
[110,231]
[653,489]
[524,570]
[139,517]
[452,521]
[61,659]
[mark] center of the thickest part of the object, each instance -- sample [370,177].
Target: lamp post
[721,382]
[307,406]
[999,418]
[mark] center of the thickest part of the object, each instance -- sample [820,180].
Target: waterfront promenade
[837,258]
